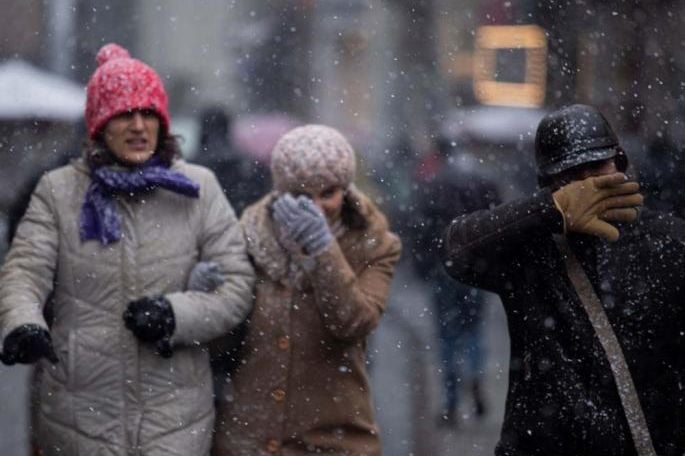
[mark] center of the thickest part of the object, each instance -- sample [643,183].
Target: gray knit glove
[205,276]
[303,222]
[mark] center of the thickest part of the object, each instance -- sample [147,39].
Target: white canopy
[493,124]
[27,92]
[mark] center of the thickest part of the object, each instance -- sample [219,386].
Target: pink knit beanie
[119,84]
[312,157]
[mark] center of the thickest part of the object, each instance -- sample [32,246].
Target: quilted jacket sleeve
[202,316]
[26,278]
[351,304]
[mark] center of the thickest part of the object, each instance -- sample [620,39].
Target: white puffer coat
[111,394]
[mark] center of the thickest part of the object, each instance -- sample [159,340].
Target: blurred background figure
[451,183]
[41,128]
[215,144]
[662,173]
[395,180]
[243,177]
[60,157]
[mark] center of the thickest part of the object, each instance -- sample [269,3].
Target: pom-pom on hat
[119,84]
[312,157]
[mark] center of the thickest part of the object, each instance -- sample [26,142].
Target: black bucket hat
[573,136]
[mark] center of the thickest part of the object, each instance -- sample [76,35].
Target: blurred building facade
[378,69]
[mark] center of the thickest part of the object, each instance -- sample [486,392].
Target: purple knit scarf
[99,218]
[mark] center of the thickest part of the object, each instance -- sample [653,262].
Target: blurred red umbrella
[256,134]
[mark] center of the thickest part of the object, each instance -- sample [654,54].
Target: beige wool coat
[302,387]
[111,394]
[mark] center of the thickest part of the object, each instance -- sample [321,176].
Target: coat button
[283,343]
[278,394]
[272,445]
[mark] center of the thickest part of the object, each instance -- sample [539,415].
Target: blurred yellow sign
[488,85]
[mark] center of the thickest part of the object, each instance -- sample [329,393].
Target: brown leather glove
[587,205]
[625,214]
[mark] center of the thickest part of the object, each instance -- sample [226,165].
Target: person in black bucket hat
[593,295]
[574,136]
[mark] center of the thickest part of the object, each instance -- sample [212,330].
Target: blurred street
[405,378]
[14,410]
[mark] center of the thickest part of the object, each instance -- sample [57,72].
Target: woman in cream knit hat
[324,259]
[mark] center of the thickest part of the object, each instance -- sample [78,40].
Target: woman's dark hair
[97,153]
[350,215]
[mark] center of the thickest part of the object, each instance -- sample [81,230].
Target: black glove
[151,319]
[27,344]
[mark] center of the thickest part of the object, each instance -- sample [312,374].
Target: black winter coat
[562,399]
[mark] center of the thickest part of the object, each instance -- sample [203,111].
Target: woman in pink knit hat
[324,259]
[145,262]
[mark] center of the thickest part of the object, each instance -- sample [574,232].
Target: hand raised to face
[303,222]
